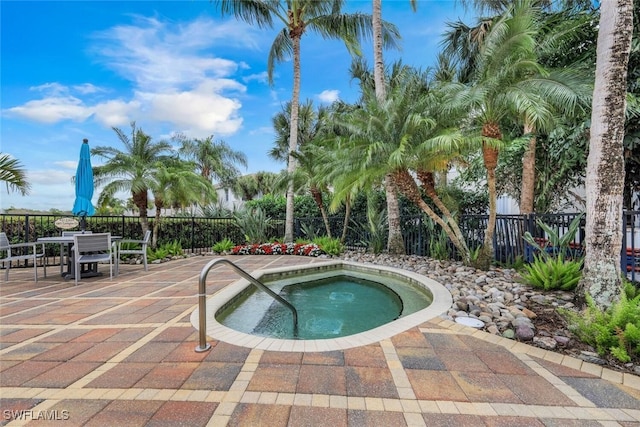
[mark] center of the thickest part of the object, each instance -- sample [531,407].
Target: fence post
[623,250]
[26,229]
[193,234]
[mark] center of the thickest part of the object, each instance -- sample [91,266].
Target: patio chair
[65,249]
[21,252]
[139,248]
[92,249]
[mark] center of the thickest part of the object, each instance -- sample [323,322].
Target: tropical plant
[329,245]
[254,224]
[13,174]
[215,160]
[556,244]
[312,126]
[396,138]
[175,184]
[323,17]
[508,82]
[223,246]
[130,170]
[614,331]
[552,273]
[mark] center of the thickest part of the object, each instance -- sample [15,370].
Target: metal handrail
[202,300]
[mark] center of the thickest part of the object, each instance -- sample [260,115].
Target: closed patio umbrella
[84,185]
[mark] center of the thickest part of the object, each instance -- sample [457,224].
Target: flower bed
[304,249]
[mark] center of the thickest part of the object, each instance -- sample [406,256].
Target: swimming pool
[410,299]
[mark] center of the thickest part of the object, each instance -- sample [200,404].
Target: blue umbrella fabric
[84,184]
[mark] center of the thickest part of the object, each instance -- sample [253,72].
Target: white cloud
[52,110]
[260,77]
[329,96]
[157,55]
[176,79]
[116,112]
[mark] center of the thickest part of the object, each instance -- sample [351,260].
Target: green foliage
[375,229]
[255,224]
[224,245]
[309,231]
[167,250]
[438,241]
[615,331]
[551,273]
[272,206]
[559,244]
[329,245]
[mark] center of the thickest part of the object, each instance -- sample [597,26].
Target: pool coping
[442,301]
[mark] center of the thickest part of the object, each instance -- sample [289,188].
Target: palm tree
[175,184]
[323,17]
[312,125]
[215,160]
[393,138]
[130,170]
[12,173]
[508,83]
[553,32]
[395,243]
[605,164]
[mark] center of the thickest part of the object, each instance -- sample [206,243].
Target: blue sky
[75,69]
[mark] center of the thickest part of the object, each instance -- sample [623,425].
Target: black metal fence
[421,235]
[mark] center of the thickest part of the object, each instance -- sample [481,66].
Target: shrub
[224,245]
[167,250]
[551,273]
[615,331]
[329,245]
[254,224]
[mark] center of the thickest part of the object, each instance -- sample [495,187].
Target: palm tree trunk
[140,200]
[378,66]
[601,276]
[347,215]
[293,139]
[408,187]
[395,244]
[156,224]
[490,157]
[527,190]
[428,184]
[317,197]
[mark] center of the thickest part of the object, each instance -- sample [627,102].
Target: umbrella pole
[83,223]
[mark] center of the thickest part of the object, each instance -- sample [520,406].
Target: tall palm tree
[174,183]
[508,83]
[12,173]
[395,243]
[323,17]
[605,163]
[130,170]
[215,160]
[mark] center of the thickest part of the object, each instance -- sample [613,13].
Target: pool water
[328,307]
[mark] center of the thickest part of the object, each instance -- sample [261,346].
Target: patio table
[70,273]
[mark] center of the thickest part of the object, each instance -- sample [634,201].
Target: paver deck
[121,353]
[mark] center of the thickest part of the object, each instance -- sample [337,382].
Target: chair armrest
[131,241]
[25,245]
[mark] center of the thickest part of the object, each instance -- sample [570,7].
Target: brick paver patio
[121,353]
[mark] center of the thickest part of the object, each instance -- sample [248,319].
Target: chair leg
[144,260]
[35,266]
[76,272]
